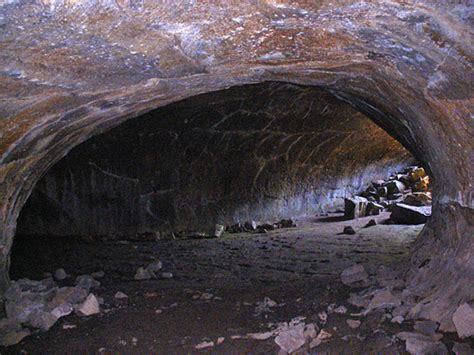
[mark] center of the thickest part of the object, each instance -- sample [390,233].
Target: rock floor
[216,287]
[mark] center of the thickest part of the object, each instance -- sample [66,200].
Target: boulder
[373,209]
[416,174]
[154,267]
[426,327]
[371,223]
[463,319]
[395,187]
[14,337]
[354,274]
[422,185]
[355,207]
[62,310]
[286,223]
[67,295]
[405,214]
[382,191]
[250,226]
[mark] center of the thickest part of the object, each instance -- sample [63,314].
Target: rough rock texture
[261,152]
[73,69]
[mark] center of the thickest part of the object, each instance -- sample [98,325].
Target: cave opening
[259,189]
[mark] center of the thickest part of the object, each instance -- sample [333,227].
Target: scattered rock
[167,275]
[89,307]
[142,274]
[322,336]
[397,319]
[154,268]
[426,327]
[219,230]
[419,344]
[60,274]
[462,349]
[355,207]
[323,317]
[418,199]
[349,230]
[354,274]
[260,336]
[63,310]
[42,320]
[395,187]
[463,319]
[384,299]
[353,323]
[291,339]
[340,310]
[87,282]
[265,306]
[204,345]
[14,337]
[405,214]
[120,295]
[220,340]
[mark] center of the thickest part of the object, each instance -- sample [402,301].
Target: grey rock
[384,299]
[405,214]
[120,295]
[154,267]
[353,323]
[371,223]
[463,319]
[354,274]
[419,344]
[87,282]
[67,295]
[167,275]
[98,274]
[462,349]
[291,339]
[14,337]
[42,320]
[426,327]
[62,310]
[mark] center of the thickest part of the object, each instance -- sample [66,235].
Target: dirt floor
[299,268]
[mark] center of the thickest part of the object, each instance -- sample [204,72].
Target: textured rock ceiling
[72,69]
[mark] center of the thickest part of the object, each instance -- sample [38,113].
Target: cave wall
[260,152]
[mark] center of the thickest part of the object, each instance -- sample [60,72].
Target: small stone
[354,274]
[349,230]
[353,323]
[322,336]
[154,267]
[142,274]
[220,340]
[340,310]
[60,274]
[371,223]
[219,230]
[323,317]
[120,295]
[462,349]
[463,319]
[204,345]
[310,331]
[291,340]
[260,336]
[89,307]
[167,275]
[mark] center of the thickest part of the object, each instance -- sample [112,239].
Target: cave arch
[417,93]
